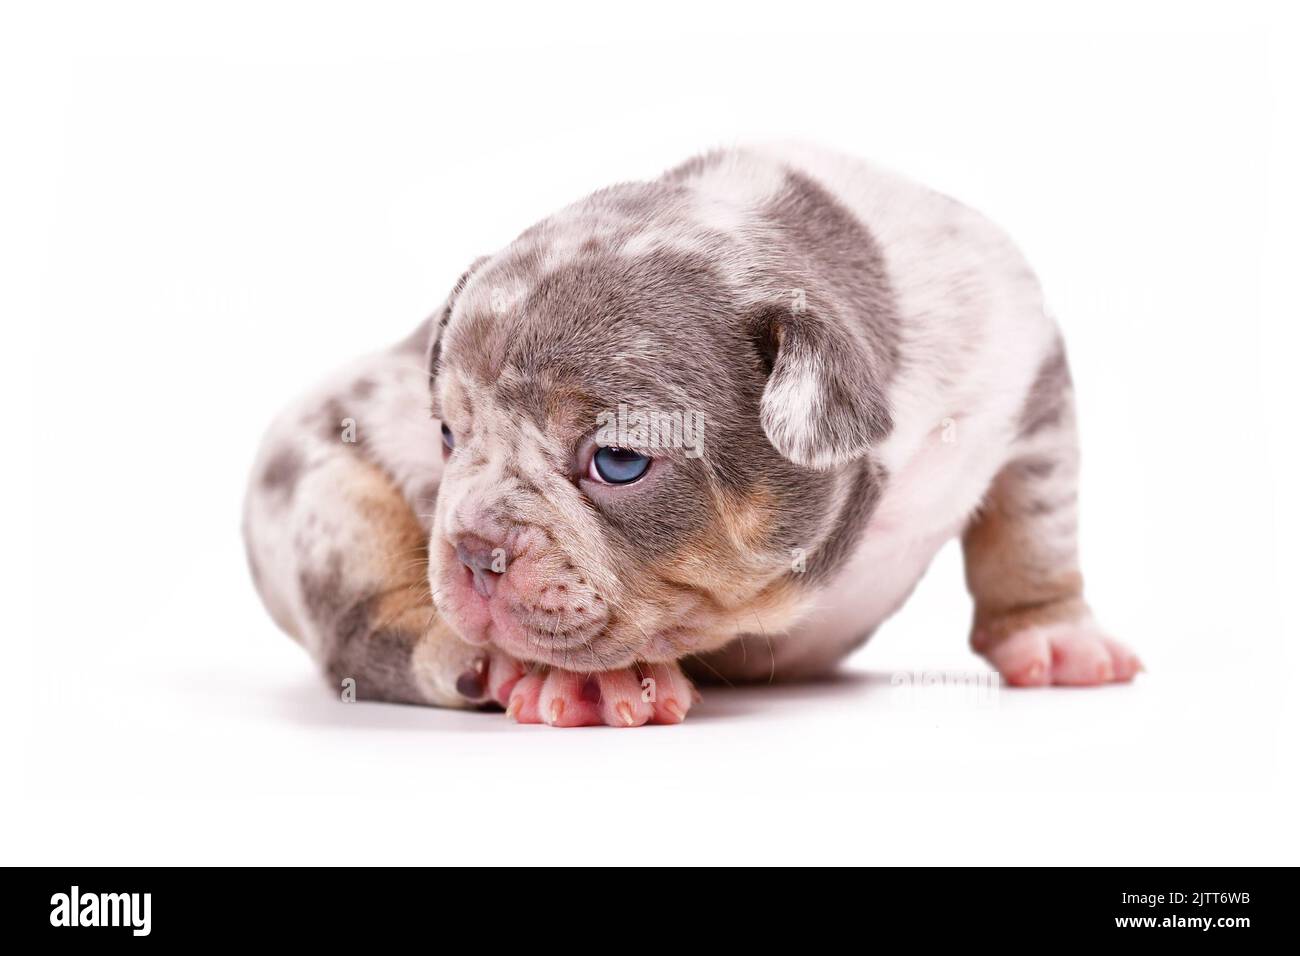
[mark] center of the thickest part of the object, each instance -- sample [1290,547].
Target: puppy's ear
[824,403]
[439,320]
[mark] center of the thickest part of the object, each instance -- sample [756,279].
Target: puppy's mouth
[610,642]
[601,645]
[616,643]
[559,621]
[572,655]
[573,650]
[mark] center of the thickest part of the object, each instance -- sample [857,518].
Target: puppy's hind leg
[1022,567]
[340,560]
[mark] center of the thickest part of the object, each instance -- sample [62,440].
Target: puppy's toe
[671,693]
[631,697]
[623,701]
[1023,659]
[1072,654]
[570,700]
[524,699]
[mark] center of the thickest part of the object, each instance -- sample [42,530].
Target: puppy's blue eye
[617,466]
[447,438]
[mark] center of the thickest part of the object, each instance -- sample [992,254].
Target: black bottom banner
[365,907]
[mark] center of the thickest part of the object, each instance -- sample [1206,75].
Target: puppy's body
[891,379]
[973,337]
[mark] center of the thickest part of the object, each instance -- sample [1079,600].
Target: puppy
[717,424]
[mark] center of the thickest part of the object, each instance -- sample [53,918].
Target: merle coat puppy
[716,424]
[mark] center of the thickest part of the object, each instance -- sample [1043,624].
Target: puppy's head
[644,456]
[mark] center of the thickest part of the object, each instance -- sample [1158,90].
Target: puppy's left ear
[824,403]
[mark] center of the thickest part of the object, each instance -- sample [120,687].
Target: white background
[204,212]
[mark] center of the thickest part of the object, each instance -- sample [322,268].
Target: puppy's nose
[486,562]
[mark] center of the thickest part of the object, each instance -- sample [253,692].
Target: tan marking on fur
[398,540]
[726,569]
[1009,564]
[395,558]
[746,519]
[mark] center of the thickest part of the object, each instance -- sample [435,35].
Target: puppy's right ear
[824,403]
[438,321]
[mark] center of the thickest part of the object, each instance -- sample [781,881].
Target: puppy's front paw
[452,673]
[1070,653]
[647,693]
[489,677]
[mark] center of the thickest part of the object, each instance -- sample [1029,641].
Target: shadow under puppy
[720,421]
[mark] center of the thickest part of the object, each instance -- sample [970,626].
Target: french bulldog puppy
[716,424]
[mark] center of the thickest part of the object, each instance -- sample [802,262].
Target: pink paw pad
[1077,655]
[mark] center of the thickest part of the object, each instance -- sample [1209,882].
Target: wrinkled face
[611,493]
